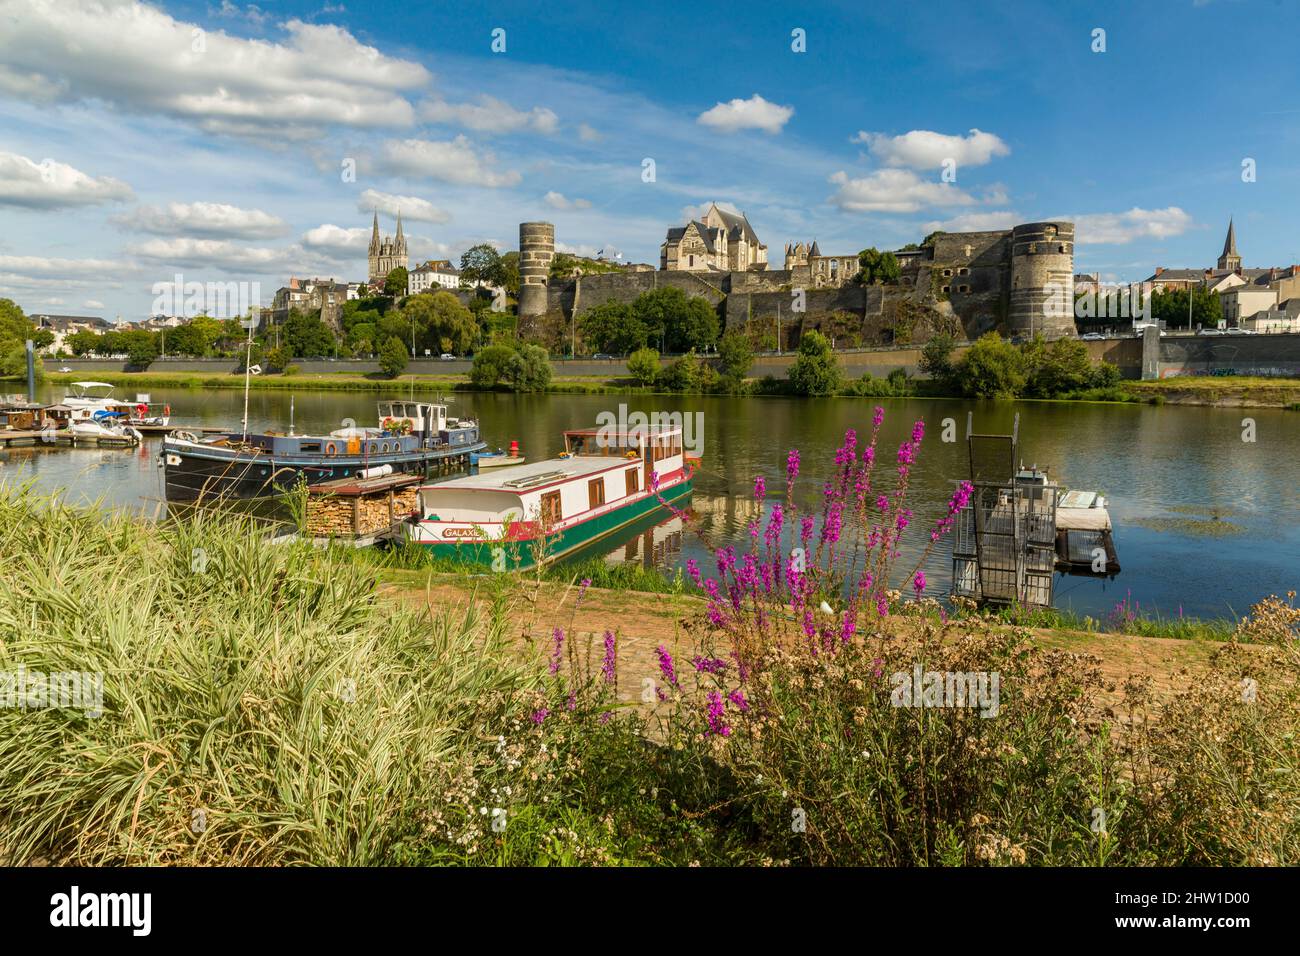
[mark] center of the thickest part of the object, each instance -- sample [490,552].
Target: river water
[1206,522]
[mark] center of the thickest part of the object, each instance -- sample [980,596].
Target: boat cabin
[409,418]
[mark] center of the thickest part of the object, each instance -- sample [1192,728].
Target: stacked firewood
[330,516]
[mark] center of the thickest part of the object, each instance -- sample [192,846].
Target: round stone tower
[1042,279]
[536,250]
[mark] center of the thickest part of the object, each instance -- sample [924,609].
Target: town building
[61,326]
[434,274]
[308,295]
[718,242]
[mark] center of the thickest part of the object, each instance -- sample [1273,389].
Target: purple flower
[878,417]
[693,569]
[709,665]
[716,711]
[918,431]
[918,584]
[792,464]
[666,665]
[558,637]
[882,504]
[604,718]
[540,715]
[609,666]
[737,697]
[582,588]
[654,481]
[760,487]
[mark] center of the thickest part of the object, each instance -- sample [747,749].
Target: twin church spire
[385,253]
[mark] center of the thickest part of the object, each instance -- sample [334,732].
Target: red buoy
[514,449]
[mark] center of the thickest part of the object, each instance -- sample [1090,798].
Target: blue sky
[210,139]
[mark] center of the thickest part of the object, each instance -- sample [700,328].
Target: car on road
[446,357]
[602,355]
[65,369]
[1092,337]
[1211,332]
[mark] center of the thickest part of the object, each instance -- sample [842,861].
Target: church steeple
[374,235]
[401,242]
[1230,261]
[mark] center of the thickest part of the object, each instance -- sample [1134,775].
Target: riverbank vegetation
[271,704]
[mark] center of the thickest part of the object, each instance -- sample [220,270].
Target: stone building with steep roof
[719,241]
[385,253]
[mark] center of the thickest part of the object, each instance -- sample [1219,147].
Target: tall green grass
[259,706]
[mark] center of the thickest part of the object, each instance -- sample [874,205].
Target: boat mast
[250,323]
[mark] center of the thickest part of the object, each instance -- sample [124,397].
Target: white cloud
[926,149]
[976,222]
[1117,228]
[136,58]
[53,185]
[588,135]
[454,161]
[753,113]
[219,254]
[490,115]
[37,266]
[337,241]
[894,190]
[54,300]
[204,219]
[93,304]
[559,201]
[411,207]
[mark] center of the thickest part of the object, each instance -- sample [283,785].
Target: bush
[392,356]
[490,364]
[992,368]
[936,361]
[682,375]
[815,371]
[735,355]
[643,366]
[529,370]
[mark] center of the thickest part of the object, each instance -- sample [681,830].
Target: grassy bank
[1244,392]
[261,706]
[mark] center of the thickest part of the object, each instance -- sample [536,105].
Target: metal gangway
[1004,545]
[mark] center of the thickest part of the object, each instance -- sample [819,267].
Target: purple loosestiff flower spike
[716,617]
[737,697]
[878,417]
[609,667]
[693,569]
[716,709]
[582,588]
[918,431]
[760,487]
[709,665]
[558,652]
[882,504]
[666,665]
[654,481]
[711,589]
[918,583]
[604,718]
[792,464]
[540,715]
[882,606]
[806,528]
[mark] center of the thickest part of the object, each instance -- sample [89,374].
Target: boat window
[596,492]
[633,481]
[552,509]
[309,446]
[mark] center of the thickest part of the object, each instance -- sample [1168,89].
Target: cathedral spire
[374,235]
[401,242]
[1230,260]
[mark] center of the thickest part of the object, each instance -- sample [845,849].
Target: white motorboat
[87,398]
[103,427]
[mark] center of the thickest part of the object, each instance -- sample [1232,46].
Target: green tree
[877,268]
[482,263]
[928,241]
[141,347]
[992,368]
[306,335]
[490,365]
[1170,307]
[681,322]
[936,360]
[187,339]
[82,342]
[643,365]
[395,283]
[442,324]
[278,358]
[510,273]
[815,371]
[392,357]
[1062,367]
[529,370]
[735,355]
[611,327]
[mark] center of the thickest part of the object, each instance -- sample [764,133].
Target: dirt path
[644,621]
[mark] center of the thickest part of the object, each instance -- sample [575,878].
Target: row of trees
[665,317]
[15,330]
[995,368]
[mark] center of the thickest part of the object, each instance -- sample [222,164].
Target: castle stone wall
[536,252]
[1042,260]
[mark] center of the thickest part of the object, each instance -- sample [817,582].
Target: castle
[386,254]
[719,242]
[1018,281]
